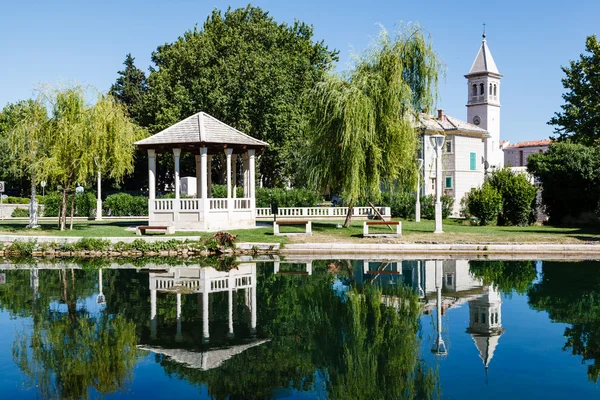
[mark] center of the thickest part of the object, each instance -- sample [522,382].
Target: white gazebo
[204,136]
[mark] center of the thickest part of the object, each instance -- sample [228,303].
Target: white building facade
[516,155]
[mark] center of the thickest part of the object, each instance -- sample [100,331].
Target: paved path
[441,248]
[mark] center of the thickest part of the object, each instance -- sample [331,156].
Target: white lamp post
[438,142]
[99,199]
[418,202]
[100,299]
[439,348]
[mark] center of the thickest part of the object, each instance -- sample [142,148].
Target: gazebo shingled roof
[201,130]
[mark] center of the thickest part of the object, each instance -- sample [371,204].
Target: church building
[471,148]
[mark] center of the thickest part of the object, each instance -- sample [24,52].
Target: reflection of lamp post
[418,203]
[99,200]
[439,348]
[100,299]
[438,142]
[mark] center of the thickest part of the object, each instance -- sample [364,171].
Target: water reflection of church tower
[485,323]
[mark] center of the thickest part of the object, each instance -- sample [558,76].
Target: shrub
[287,198]
[23,247]
[225,239]
[93,244]
[428,206]
[16,200]
[518,195]
[20,212]
[484,203]
[402,204]
[85,204]
[51,202]
[125,205]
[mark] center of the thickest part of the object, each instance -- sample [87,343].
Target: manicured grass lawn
[327,231]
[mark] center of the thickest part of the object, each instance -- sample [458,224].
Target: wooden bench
[383,234]
[140,230]
[277,224]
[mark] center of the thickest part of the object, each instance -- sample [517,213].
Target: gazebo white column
[228,153]
[234,169]
[178,336]
[251,179]
[151,175]
[153,313]
[209,176]
[246,168]
[205,329]
[230,305]
[176,156]
[199,180]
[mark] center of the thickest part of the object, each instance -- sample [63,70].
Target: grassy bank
[327,231]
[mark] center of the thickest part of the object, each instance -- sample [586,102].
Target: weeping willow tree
[28,140]
[86,139]
[361,131]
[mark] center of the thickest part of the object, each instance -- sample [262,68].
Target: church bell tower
[483,104]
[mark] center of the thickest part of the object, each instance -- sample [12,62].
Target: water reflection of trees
[504,276]
[351,346]
[68,350]
[571,294]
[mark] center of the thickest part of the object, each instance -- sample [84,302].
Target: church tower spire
[483,102]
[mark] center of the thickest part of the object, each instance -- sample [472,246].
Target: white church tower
[485,324]
[483,105]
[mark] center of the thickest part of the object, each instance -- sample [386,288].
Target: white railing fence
[322,212]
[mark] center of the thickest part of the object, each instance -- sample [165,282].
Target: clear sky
[86,42]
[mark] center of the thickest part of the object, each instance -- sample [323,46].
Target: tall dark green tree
[243,68]
[579,119]
[130,89]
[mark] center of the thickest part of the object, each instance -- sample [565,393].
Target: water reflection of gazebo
[204,136]
[204,282]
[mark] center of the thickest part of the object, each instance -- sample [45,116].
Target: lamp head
[439,140]
[420,163]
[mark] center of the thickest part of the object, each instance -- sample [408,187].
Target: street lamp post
[99,199]
[418,202]
[439,348]
[438,142]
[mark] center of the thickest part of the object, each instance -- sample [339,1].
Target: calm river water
[346,329]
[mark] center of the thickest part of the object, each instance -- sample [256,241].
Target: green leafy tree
[29,139]
[245,69]
[10,115]
[361,132]
[570,178]
[85,139]
[518,196]
[579,119]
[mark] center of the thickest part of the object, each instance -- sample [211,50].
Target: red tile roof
[532,143]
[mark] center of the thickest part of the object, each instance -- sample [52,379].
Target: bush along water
[220,242]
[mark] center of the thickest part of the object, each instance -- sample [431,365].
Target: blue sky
[86,42]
